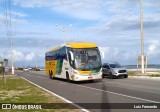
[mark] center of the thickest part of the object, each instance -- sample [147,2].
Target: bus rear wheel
[51,75]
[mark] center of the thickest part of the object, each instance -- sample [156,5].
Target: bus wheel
[67,77]
[51,75]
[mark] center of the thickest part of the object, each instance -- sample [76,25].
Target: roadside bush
[131,73]
[1,69]
[155,75]
[20,68]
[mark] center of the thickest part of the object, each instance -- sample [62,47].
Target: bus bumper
[78,77]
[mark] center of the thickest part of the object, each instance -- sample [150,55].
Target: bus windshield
[86,59]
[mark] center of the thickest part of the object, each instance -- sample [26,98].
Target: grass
[139,74]
[131,73]
[154,75]
[6,73]
[17,90]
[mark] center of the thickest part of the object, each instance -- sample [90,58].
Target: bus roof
[81,45]
[76,45]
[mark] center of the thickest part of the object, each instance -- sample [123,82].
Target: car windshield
[87,59]
[115,65]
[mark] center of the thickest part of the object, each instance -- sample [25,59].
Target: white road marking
[119,94]
[116,93]
[68,101]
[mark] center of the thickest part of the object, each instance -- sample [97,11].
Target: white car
[25,70]
[114,70]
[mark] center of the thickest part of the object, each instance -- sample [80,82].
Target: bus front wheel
[67,77]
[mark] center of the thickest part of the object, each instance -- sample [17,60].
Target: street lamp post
[35,54]
[12,57]
[63,29]
[142,38]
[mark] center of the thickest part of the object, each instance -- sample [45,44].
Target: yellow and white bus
[74,61]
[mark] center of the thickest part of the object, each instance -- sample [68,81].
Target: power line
[10,16]
[8,25]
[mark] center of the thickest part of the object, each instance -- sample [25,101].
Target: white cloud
[116,20]
[130,55]
[32,4]
[118,55]
[110,53]
[14,20]
[18,56]
[116,14]
[83,9]
[18,14]
[154,49]
[29,56]
[106,50]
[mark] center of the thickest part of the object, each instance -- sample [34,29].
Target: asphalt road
[124,91]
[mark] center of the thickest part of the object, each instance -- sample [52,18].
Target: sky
[114,25]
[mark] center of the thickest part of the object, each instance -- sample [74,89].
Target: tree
[1,63]
[5,62]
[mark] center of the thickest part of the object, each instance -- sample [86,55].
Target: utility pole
[35,54]
[142,37]
[12,57]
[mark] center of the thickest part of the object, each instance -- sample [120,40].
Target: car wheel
[126,76]
[111,76]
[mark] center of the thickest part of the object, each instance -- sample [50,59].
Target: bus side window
[64,56]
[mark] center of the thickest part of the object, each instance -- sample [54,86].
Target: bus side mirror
[102,54]
[71,54]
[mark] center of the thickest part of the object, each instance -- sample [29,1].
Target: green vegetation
[6,73]
[154,75]
[139,74]
[17,90]
[131,73]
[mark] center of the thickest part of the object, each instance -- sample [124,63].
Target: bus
[74,61]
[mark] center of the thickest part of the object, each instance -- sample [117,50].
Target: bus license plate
[90,77]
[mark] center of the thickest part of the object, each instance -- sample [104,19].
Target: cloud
[83,9]
[29,56]
[154,49]
[18,56]
[18,14]
[113,24]
[31,3]
[118,55]
[110,15]
[14,20]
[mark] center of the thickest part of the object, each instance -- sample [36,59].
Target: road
[106,91]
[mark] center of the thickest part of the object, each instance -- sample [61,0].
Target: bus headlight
[74,71]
